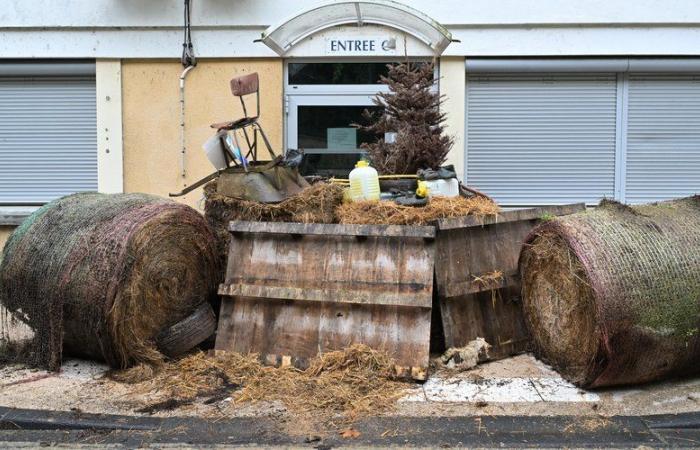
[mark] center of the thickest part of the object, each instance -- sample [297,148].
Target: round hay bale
[101,276]
[611,296]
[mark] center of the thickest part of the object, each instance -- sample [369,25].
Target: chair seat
[232,125]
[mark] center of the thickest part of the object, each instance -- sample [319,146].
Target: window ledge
[15,215]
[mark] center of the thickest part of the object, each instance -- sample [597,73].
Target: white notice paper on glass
[342,138]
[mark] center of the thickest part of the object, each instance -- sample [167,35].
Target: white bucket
[214,150]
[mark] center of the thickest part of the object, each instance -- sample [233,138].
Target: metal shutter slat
[48,138]
[542,139]
[663,137]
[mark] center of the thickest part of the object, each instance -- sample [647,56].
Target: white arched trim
[283,36]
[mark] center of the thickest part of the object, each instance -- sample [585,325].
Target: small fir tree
[411,109]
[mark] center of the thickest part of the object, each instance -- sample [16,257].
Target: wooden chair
[243,87]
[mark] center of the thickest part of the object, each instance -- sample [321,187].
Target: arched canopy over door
[283,36]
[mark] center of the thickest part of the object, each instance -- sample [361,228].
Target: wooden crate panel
[294,290]
[468,249]
[292,332]
[494,316]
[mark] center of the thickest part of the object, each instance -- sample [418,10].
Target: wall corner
[452,86]
[110,159]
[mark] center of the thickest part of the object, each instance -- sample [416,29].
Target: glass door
[322,125]
[323,100]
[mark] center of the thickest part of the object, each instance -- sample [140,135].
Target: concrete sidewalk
[515,386]
[513,402]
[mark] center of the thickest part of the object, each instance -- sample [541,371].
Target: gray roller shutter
[536,139]
[48,137]
[663,137]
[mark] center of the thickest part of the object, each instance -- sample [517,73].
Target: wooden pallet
[293,291]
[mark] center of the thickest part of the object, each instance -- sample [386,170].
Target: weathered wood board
[293,291]
[469,249]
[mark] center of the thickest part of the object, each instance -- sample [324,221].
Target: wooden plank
[290,296]
[469,253]
[385,265]
[15,215]
[496,317]
[473,286]
[425,232]
[421,299]
[509,216]
[298,330]
[466,253]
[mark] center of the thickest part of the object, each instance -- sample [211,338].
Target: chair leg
[253,149]
[267,142]
[255,143]
[250,145]
[227,156]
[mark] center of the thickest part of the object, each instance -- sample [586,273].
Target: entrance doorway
[323,99]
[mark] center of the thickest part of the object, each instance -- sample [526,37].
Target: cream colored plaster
[151,118]
[452,86]
[5,232]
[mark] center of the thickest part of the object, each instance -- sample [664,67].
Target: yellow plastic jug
[364,182]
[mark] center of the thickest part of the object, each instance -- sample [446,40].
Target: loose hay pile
[323,203]
[612,296]
[389,213]
[352,382]
[101,275]
[315,204]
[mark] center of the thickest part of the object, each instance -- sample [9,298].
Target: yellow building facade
[151,118]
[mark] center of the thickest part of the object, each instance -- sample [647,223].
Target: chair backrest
[244,85]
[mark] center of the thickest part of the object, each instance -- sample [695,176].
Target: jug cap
[362,163]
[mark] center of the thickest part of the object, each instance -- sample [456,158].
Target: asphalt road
[34,428]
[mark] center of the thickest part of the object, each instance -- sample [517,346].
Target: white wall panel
[227,28]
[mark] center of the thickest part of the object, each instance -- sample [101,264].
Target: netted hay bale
[315,204]
[612,296]
[101,275]
[389,213]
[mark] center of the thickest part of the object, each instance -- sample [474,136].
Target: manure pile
[315,204]
[323,203]
[352,382]
[389,213]
[612,296]
[101,276]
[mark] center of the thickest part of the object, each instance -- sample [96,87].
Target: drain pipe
[183,150]
[189,61]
